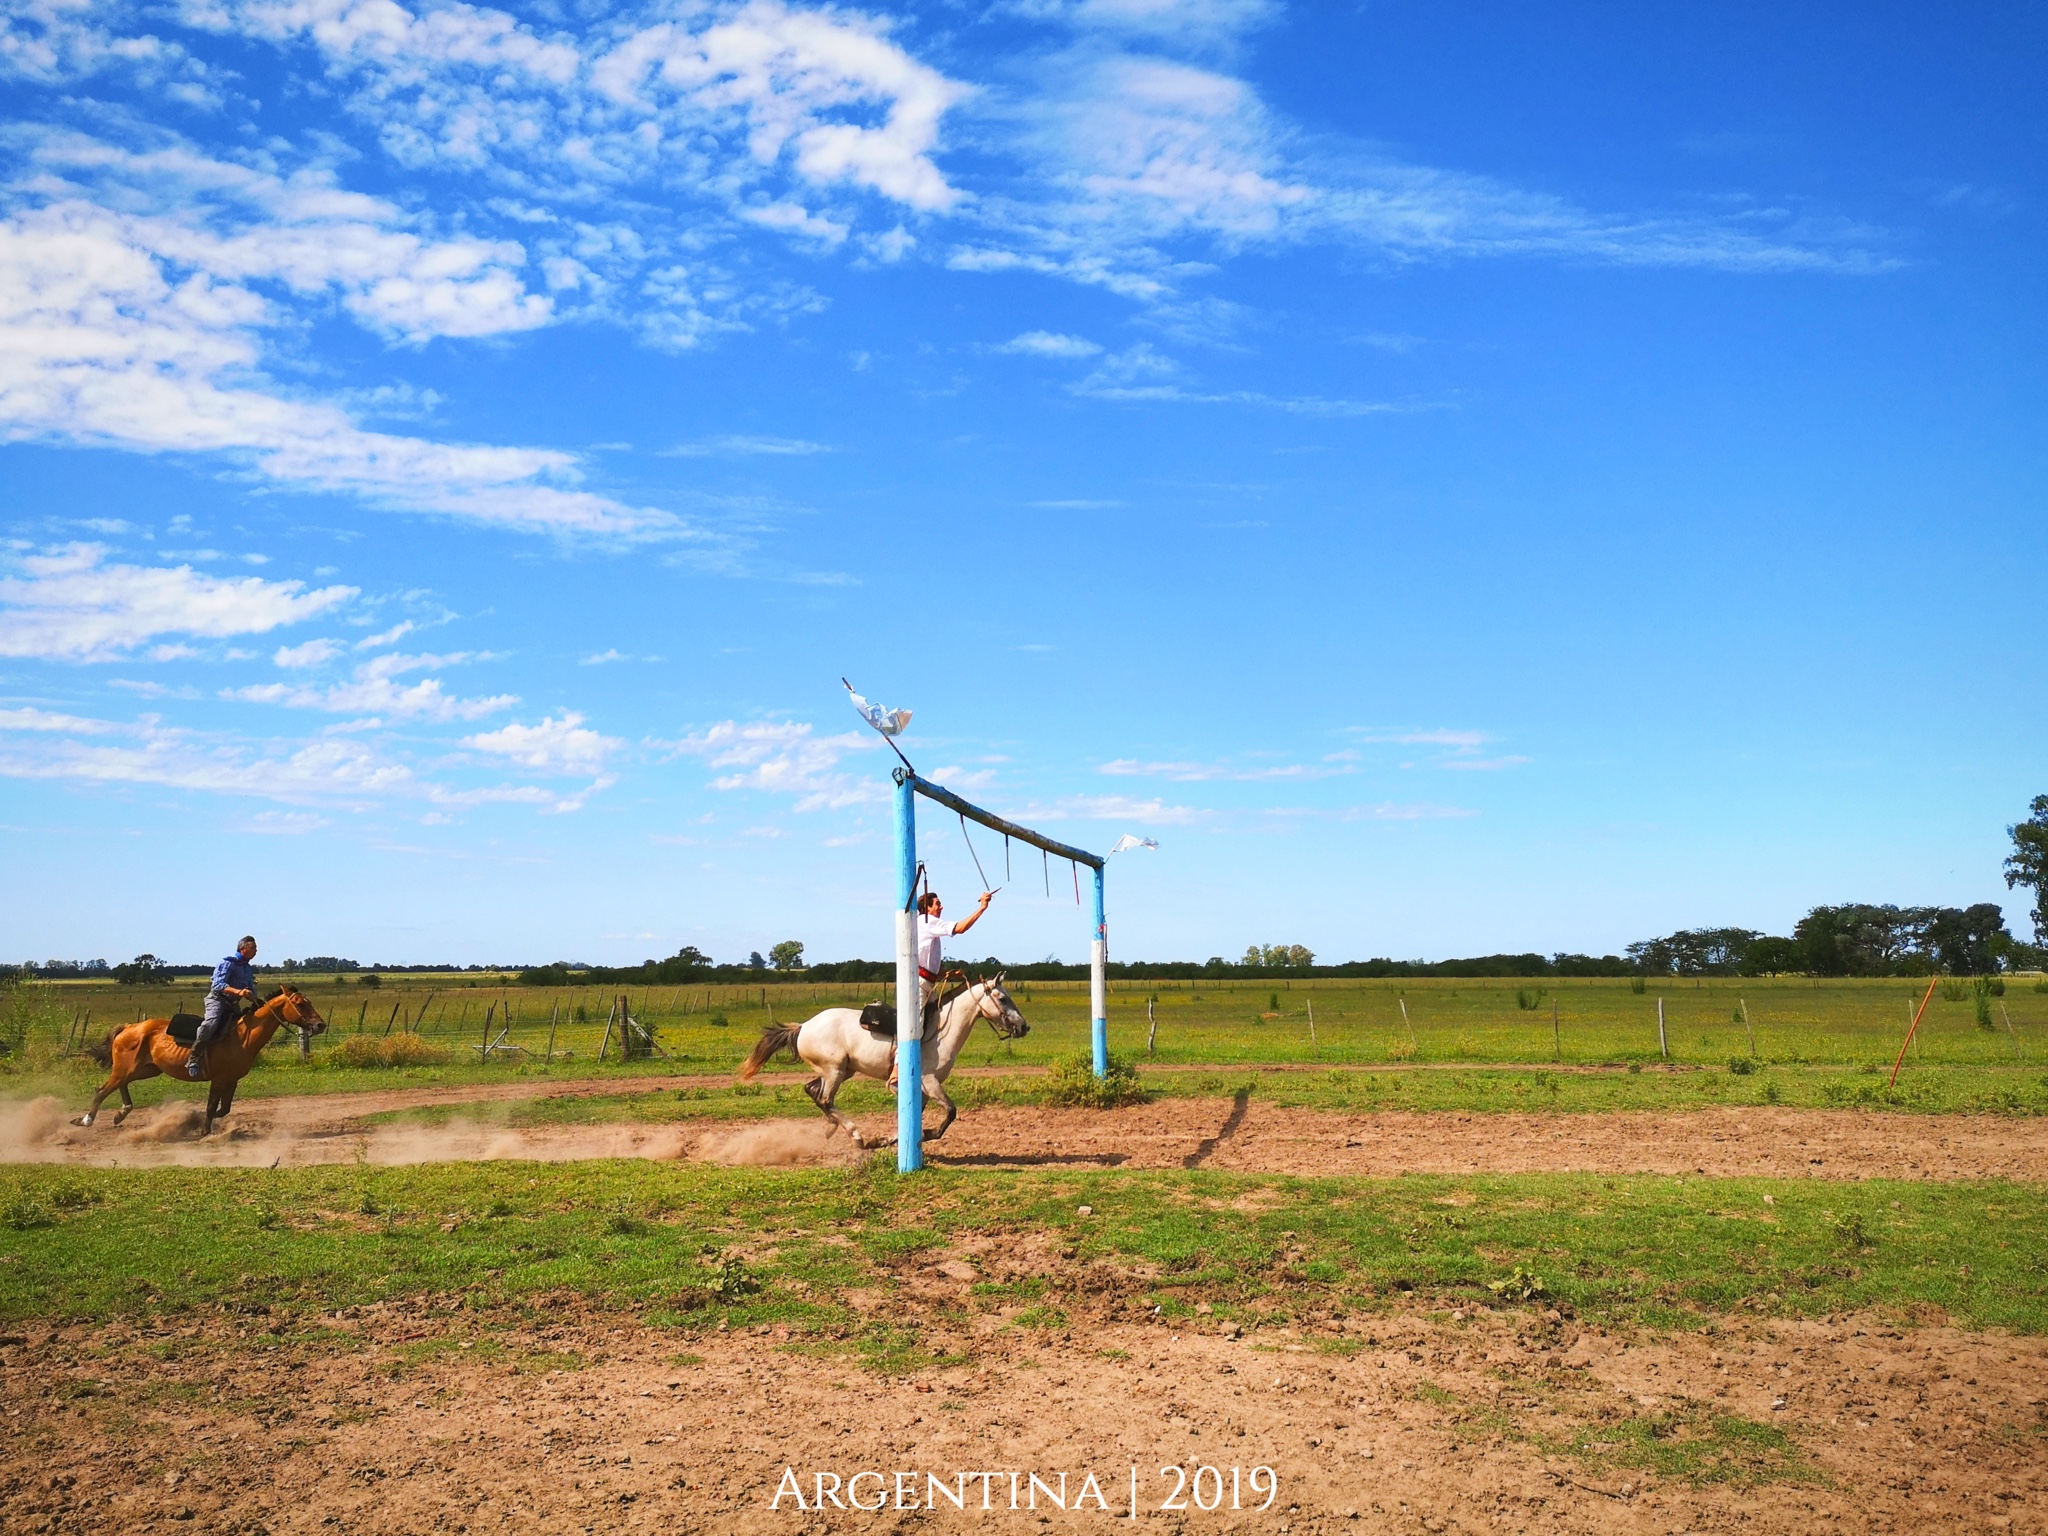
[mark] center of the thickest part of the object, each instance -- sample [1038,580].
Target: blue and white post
[909,1017]
[1098,981]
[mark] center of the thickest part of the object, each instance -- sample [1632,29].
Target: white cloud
[145,329]
[742,444]
[790,219]
[314,653]
[1196,773]
[784,758]
[1196,21]
[374,690]
[1050,344]
[553,746]
[1136,163]
[282,823]
[1463,740]
[391,636]
[1464,747]
[29,718]
[336,771]
[604,657]
[71,604]
[1152,812]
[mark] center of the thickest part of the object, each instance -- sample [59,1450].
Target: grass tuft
[1071,1083]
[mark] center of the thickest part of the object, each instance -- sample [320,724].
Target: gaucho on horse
[218,1048]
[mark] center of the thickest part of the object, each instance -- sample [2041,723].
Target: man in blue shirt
[233,979]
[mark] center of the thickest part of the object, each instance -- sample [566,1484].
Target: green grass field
[691,1246]
[1788,1020]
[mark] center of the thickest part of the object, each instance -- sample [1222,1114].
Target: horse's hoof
[83,1120]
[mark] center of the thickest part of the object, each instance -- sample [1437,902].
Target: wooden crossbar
[995,823]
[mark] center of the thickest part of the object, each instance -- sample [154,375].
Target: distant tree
[787,956]
[1768,955]
[2028,864]
[1967,942]
[143,970]
[369,979]
[755,962]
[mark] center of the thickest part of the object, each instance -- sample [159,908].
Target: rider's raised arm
[974,917]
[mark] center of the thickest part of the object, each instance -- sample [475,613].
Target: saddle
[879,1019]
[185,1026]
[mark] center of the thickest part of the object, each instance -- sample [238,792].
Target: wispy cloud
[1050,344]
[374,690]
[555,745]
[784,758]
[74,604]
[743,446]
[1196,773]
[337,772]
[1149,812]
[1463,746]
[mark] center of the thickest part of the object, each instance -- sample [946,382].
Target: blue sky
[1462,477]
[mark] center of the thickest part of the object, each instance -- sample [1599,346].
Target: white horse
[834,1043]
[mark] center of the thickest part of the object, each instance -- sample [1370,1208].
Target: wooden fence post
[1556,1039]
[554,1014]
[1152,1033]
[1313,1049]
[1663,1045]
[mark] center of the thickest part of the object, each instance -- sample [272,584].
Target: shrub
[1527,998]
[369,979]
[1638,985]
[1071,1083]
[1954,991]
[1984,1011]
[1743,1066]
[388,1051]
[412,1051]
[1849,1229]
[23,1214]
[1519,1286]
[718,1020]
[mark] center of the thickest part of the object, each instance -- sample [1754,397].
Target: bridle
[287,1005]
[999,1019]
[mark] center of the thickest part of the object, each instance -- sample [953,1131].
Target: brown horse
[146,1049]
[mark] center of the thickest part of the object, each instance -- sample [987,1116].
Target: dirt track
[1242,1134]
[405,1419]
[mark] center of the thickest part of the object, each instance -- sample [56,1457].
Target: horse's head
[292,1007]
[995,1006]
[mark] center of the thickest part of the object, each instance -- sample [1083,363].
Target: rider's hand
[986,898]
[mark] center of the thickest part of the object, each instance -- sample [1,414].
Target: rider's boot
[195,1064]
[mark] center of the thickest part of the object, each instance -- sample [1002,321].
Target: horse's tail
[102,1051]
[778,1038]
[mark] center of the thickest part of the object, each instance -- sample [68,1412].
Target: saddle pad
[879,1019]
[185,1027]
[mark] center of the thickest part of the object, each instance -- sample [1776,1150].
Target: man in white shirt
[932,933]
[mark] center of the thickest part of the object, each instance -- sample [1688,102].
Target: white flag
[1132,840]
[890,722]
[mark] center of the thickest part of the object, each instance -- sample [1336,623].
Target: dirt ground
[1243,1134]
[425,1418]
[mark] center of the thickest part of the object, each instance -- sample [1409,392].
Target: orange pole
[1909,1033]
